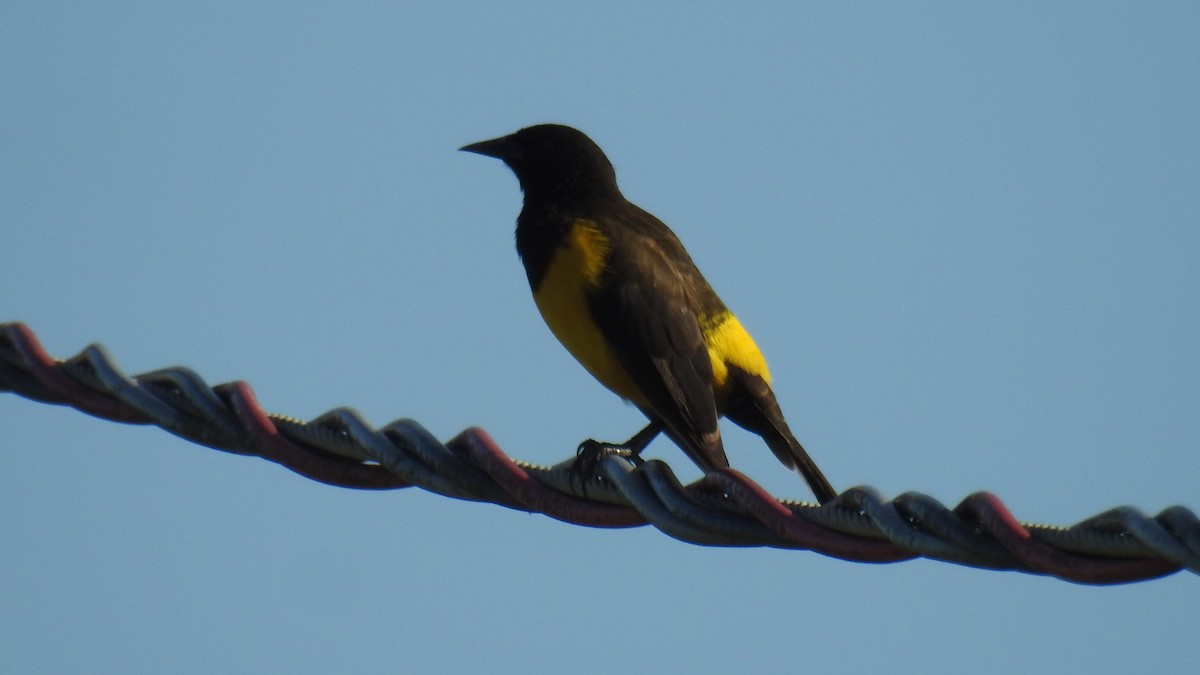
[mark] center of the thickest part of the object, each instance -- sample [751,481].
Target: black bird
[617,288]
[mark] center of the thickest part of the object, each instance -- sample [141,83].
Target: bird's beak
[500,148]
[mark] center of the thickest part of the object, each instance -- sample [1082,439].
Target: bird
[618,289]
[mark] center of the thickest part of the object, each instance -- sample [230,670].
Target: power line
[725,508]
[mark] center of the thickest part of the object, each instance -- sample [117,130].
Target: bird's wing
[647,318]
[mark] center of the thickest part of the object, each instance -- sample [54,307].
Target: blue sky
[966,237]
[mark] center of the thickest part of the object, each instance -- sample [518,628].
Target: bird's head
[553,161]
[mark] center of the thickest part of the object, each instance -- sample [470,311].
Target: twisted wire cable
[725,508]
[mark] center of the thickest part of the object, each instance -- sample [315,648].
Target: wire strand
[725,508]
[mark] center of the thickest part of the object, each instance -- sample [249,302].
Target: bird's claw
[587,460]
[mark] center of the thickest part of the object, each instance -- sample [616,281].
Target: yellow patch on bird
[575,269]
[730,345]
[590,247]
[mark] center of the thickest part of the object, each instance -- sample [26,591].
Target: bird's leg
[630,449]
[590,452]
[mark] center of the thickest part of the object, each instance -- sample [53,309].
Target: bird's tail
[757,410]
[754,408]
[795,457]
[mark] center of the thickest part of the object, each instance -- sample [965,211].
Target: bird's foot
[588,456]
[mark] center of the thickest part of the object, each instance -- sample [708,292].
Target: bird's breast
[574,270]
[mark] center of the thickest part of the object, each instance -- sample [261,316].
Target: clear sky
[966,237]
